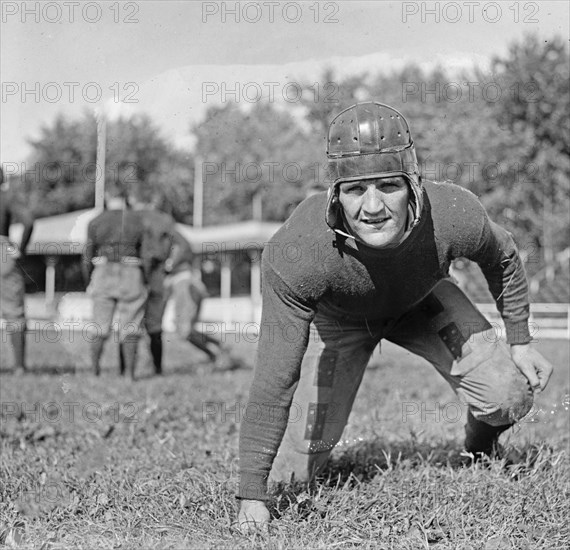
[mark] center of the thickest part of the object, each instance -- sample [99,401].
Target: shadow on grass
[362,462]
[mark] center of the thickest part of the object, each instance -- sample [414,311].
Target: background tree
[535,78]
[255,163]
[61,171]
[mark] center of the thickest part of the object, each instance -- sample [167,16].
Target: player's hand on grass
[253,516]
[532,364]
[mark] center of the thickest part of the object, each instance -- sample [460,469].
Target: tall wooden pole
[100,163]
[257,206]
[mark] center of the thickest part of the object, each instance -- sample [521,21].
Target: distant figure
[188,292]
[11,276]
[114,269]
[156,248]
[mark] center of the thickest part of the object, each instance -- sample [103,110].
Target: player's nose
[372,201]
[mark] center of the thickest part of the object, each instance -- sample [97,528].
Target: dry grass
[154,464]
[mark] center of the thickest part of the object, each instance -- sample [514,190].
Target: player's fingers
[255,521]
[545,370]
[528,370]
[249,526]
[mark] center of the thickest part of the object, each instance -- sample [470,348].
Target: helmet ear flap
[332,214]
[416,199]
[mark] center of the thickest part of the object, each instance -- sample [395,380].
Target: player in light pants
[114,269]
[12,287]
[187,291]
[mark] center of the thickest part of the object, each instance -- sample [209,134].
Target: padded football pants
[445,328]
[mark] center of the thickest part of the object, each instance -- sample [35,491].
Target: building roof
[234,236]
[57,235]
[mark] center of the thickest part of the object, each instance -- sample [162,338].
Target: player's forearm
[267,412]
[503,268]
[511,296]
[263,426]
[284,333]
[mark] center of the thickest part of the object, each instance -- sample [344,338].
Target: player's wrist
[518,350]
[518,333]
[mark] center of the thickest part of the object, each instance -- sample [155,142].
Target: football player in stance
[372,263]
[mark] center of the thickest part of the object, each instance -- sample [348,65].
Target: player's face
[376,210]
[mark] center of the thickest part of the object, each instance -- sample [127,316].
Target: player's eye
[353,188]
[391,184]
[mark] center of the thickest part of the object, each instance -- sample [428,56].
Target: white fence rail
[550,321]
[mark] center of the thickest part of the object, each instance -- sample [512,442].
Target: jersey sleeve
[284,334]
[497,255]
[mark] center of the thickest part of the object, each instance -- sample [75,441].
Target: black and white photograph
[289,275]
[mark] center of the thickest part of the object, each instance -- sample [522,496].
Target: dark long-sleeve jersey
[306,265]
[113,234]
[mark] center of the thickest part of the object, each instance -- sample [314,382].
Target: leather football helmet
[367,141]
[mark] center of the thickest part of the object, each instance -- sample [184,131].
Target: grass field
[106,463]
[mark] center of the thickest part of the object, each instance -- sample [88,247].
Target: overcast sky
[175,57]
